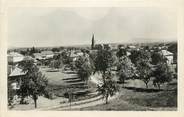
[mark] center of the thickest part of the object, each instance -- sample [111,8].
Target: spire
[93,42]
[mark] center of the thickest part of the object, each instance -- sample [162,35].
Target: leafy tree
[55,49]
[56,64]
[65,57]
[23,52]
[121,52]
[103,61]
[80,61]
[85,71]
[136,55]
[144,71]
[162,74]
[125,68]
[142,59]
[32,51]
[84,68]
[157,58]
[109,87]
[34,83]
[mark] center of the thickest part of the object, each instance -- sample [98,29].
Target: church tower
[93,42]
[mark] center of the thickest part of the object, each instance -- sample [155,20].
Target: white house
[74,55]
[15,57]
[47,54]
[168,55]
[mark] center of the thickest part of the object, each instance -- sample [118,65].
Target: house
[114,47]
[38,56]
[15,77]
[47,54]
[131,47]
[124,51]
[168,55]
[75,54]
[128,53]
[15,57]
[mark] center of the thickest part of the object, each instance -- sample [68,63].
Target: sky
[47,26]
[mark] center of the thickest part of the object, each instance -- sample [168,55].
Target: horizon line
[72,45]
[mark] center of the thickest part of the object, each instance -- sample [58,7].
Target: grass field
[59,82]
[133,96]
[139,99]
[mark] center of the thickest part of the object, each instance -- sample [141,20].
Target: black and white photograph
[92,59]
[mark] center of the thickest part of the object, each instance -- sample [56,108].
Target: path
[79,104]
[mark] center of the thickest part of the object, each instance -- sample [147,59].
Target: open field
[139,99]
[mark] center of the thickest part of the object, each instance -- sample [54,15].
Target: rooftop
[17,72]
[166,53]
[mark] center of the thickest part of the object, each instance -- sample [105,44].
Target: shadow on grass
[143,89]
[70,78]
[69,72]
[173,83]
[120,82]
[73,81]
[52,71]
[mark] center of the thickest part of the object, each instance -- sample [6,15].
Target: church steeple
[93,42]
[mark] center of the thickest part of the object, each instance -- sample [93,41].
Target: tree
[125,68]
[32,51]
[56,64]
[103,61]
[65,57]
[144,71]
[85,71]
[136,55]
[23,52]
[84,68]
[157,58]
[55,49]
[34,83]
[80,61]
[121,52]
[108,88]
[162,74]
[142,59]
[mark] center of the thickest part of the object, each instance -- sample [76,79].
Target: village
[95,77]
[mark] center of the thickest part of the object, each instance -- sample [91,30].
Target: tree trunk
[106,99]
[22,100]
[35,100]
[146,85]
[159,86]
[123,81]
